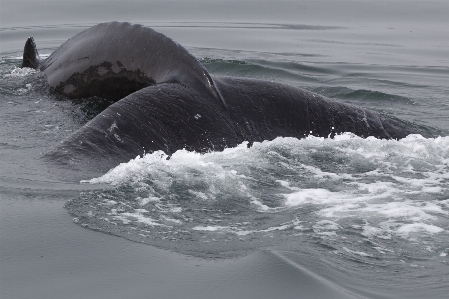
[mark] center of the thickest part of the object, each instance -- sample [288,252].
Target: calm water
[310,218]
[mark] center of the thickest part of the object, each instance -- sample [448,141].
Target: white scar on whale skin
[112,127]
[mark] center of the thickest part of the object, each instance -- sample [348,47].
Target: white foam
[177,221]
[326,224]
[312,196]
[209,228]
[21,72]
[137,217]
[145,201]
[379,189]
[406,229]
[110,202]
[356,252]
[199,195]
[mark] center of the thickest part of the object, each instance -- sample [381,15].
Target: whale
[163,99]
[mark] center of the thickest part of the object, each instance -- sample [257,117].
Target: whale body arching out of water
[164,99]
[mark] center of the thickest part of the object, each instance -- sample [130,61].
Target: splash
[18,72]
[387,194]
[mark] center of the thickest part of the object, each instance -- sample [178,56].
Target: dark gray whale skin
[112,60]
[180,106]
[169,117]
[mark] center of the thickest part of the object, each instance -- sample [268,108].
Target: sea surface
[288,218]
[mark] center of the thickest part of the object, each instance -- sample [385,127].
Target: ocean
[288,218]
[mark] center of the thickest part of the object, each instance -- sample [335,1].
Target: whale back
[166,117]
[112,60]
[170,117]
[266,110]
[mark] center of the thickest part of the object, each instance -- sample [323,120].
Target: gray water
[311,218]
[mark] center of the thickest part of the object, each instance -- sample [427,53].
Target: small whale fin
[31,57]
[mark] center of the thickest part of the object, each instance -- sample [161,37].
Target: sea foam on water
[379,190]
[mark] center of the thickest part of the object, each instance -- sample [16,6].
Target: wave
[384,195]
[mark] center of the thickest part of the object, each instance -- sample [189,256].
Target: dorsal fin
[30,55]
